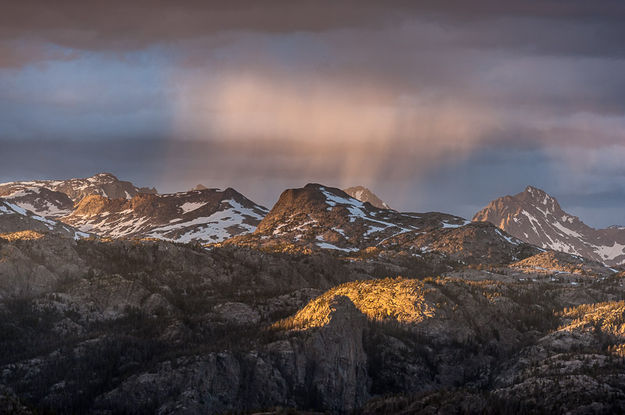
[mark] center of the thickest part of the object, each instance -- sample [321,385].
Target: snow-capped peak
[536,217]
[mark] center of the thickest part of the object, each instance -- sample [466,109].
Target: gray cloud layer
[578,27]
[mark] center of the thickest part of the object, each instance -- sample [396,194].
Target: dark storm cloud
[570,27]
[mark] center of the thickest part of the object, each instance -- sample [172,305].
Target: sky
[433,105]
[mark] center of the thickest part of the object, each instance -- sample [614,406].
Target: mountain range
[312,217]
[118,299]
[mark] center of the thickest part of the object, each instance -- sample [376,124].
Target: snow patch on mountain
[566,230]
[509,239]
[611,252]
[325,245]
[216,227]
[447,225]
[191,206]
[204,216]
[333,200]
[16,218]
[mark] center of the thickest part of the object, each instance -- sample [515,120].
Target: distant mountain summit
[537,218]
[365,195]
[317,217]
[327,217]
[55,199]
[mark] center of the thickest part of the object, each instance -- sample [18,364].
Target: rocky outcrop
[32,267]
[553,262]
[326,368]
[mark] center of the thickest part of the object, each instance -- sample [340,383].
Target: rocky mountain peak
[538,197]
[537,218]
[365,195]
[532,190]
[313,203]
[104,177]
